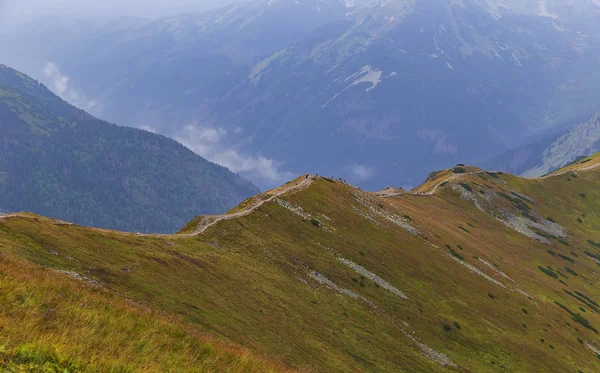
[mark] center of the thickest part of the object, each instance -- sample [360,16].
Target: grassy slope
[62,162]
[248,279]
[52,323]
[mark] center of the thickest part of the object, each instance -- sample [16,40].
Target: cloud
[361,172]
[60,82]
[60,86]
[213,144]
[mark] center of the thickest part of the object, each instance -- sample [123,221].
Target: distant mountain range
[60,161]
[545,155]
[378,92]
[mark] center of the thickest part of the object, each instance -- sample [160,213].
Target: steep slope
[546,155]
[479,271]
[59,161]
[179,59]
[53,323]
[431,82]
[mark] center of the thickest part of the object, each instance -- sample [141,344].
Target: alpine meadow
[300,186]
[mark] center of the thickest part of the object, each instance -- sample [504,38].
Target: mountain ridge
[473,252]
[61,161]
[487,272]
[437,82]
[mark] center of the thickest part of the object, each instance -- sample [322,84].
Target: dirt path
[451,177]
[210,220]
[456,176]
[572,170]
[8,216]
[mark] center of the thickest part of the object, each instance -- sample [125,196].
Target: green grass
[52,323]
[246,285]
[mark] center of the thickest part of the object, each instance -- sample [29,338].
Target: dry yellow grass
[317,296]
[52,323]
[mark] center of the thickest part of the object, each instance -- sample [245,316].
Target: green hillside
[474,272]
[59,161]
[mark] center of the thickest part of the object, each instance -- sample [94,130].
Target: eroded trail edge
[210,220]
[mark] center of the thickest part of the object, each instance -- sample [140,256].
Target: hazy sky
[18,11]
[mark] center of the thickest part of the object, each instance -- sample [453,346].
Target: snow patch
[367,75]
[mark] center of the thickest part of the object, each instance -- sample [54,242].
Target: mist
[14,13]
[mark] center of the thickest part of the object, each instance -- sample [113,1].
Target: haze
[16,12]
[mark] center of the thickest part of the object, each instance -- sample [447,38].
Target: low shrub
[578,318]
[493,174]
[549,272]
[464,229]
[593,243]
[456,255]
[567,258]
[466,186]
[569,270]
[585,322]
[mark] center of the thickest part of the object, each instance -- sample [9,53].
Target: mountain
[386,90]
[169,61]
[60,161]
[431,82]
[473,271]
[553,152]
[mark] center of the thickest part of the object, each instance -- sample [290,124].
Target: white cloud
[60,86]
[212,143]
[60,82]
[362,172]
